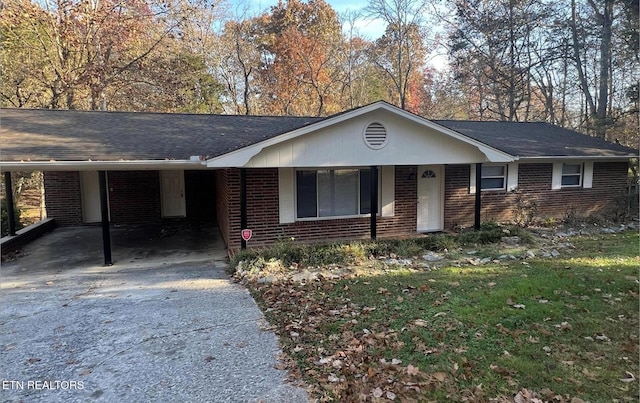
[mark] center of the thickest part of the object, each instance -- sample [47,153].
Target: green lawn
[557,328]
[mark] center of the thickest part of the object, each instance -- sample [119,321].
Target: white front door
[172,189]
[90,190]
[430,212]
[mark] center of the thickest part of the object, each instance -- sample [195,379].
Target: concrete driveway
[156,326]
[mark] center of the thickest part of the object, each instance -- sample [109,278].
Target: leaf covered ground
[558,329]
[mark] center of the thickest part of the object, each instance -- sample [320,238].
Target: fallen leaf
[421,323]
[391,395]
[377,392]
[411,370]
[590,375]
[630,378]
[564,326]
[440,376]
[396,361]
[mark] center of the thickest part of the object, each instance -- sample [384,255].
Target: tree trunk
[606,18]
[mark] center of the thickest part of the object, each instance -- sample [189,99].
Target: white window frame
[586,175]
[580,175]
[503,177]
[317,217]
[511,178]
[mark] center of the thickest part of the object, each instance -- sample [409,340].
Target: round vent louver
[375,136]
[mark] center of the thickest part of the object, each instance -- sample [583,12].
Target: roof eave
[579,157]
[102,165]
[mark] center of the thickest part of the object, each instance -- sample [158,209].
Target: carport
[113,168]
[148,193]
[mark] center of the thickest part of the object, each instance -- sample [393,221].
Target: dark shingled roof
[45,135]
[536,139]
[62,135]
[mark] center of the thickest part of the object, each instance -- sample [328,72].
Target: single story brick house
[308,178]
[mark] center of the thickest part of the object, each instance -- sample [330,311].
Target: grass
[555,327]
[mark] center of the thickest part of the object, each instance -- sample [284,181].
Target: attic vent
[375,136]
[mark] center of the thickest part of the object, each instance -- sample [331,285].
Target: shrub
[525,210]
[4,216]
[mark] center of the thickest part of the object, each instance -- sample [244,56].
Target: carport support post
[374,202]
[11,211]
[478,204]
[243,205]
[104,209]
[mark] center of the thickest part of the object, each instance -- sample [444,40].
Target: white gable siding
[342,145]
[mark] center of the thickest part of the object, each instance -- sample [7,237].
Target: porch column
[11,211]
[478,204]
[374,201]
[243,205]
[104,209]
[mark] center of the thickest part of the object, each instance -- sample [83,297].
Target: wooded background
[571,63]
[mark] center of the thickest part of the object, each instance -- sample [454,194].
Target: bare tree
[402,41]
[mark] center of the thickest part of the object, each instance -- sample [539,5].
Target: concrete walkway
[160,327]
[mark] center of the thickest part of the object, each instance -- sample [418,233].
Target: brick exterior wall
[62,197]
[228,204]
[534,184]
[134,197]
[263,211]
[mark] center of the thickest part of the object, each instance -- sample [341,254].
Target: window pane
[497,170]
[365,191]
[338,192]
[571,180]
[493,183]
[306,194]
[569,169]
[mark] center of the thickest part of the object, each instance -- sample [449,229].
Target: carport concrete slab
[168,327]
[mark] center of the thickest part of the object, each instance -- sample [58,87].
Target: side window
[494,177]
[571,175]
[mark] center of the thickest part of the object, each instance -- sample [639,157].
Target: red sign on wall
[246,234]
